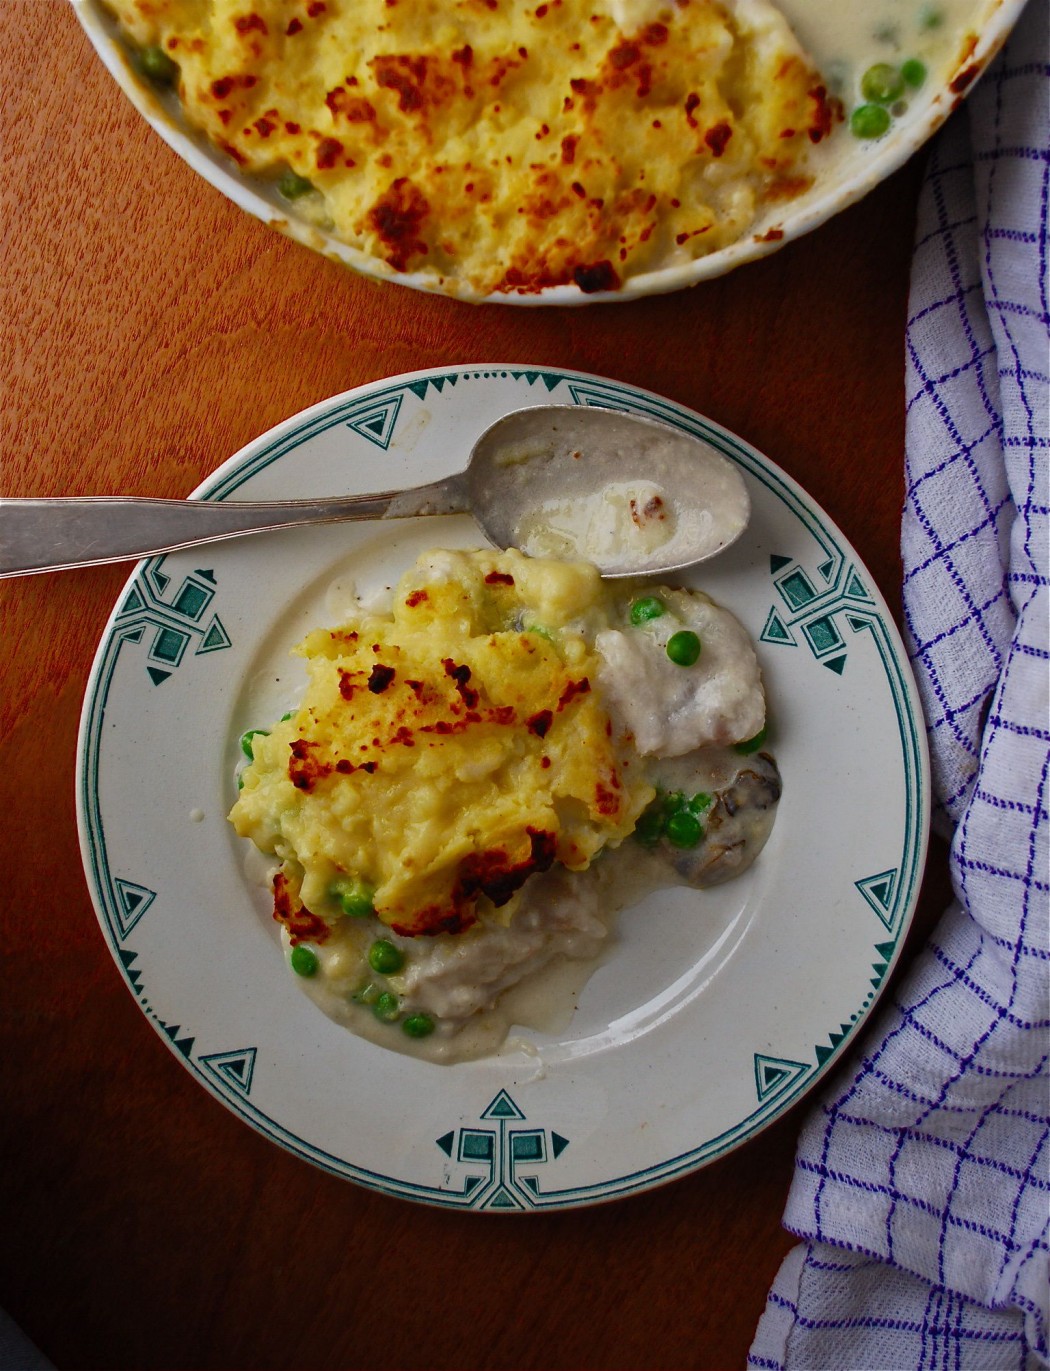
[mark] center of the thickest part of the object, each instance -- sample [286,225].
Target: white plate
[844,173]
[715,1011]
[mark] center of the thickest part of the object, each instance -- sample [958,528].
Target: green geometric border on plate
[809,607]
[130,903]
[176,620]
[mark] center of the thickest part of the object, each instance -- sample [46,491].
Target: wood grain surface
[150,329]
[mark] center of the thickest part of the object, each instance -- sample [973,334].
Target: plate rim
[267,448]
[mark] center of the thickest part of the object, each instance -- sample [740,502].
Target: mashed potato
[444,754]
[437,804]
[496,146]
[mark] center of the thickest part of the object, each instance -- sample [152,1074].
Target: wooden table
[149,330]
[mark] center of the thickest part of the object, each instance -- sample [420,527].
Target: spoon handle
[58,534]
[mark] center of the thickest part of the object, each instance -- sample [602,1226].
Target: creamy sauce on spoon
[630,494]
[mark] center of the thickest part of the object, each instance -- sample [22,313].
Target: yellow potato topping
[499,147]
[444,752]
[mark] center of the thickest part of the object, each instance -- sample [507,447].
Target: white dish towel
[922,1177]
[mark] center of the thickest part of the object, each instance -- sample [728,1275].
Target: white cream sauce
[846,38]
[628,519]
[528,973]
[629,495]
[848,35]
[477,985]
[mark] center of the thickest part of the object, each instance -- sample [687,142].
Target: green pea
[385,958]
[293,186]
[304,961]
[418,1026]
[750,745]
[155,64]
[354,897]
[683,647]
[684,829]
[648,607]
[869,121]
[649,827]
[930,17]
[882,83]
[246,740]
[700,803]
[387,1007]
[914,72]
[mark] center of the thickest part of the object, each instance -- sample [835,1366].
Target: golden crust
[511,148]
[440,754]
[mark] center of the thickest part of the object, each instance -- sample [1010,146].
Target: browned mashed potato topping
[501,147]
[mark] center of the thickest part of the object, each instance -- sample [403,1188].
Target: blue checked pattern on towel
[922,1180]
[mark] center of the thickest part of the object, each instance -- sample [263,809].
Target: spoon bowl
[632,495]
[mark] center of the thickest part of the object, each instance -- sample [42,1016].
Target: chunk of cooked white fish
[666,710]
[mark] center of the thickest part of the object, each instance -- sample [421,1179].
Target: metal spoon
[632,495]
